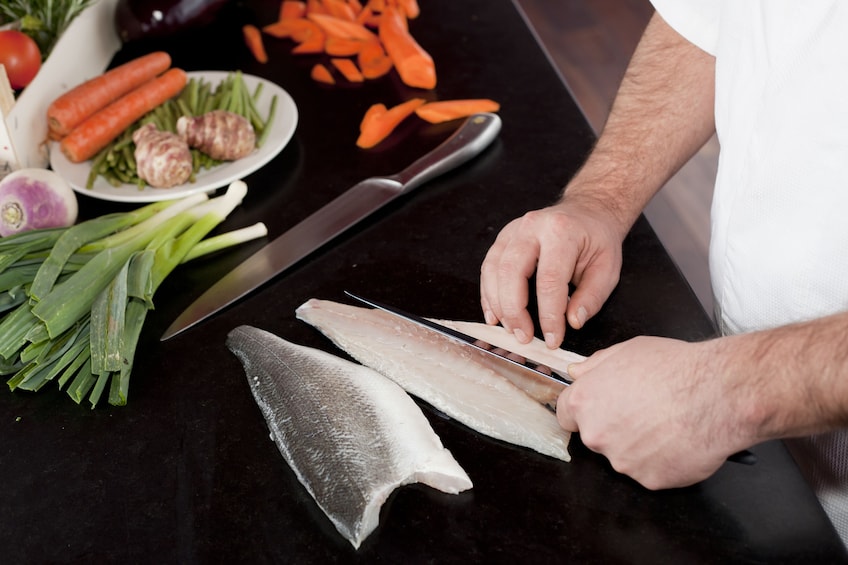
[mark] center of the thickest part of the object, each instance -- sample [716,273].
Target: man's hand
[658,409]
[574,241]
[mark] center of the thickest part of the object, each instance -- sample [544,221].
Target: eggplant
[145,19]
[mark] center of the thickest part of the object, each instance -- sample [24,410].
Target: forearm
[662,115]
[789,381]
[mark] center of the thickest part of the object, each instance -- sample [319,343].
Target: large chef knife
[357,203]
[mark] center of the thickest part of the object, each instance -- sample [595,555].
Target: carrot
[373,61]
[368,17]
[292,9]
[73,107]
[410,8]
[342,28]
[297,29]
[341,47]
[348,69]
[321,73]
[316,7]
[379,122]
[253,38]
[414,65]
[99,130]
[314,44]
[446,110]
[340,9]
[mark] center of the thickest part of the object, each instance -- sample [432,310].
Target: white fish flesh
[544,390]
[351,435]
[464,383]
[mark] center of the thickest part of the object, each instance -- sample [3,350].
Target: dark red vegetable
[143,19]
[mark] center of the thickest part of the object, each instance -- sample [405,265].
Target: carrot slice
[379,122]
[342,28]
[414,65]
[340,9]
[348,68]
[253,38]
[321,73]
[296,29]
[292,9]
[71,108]
[316,7]
[373,61]
[368,17]
[341,47]
[99,130]
[446,110]
[410,8]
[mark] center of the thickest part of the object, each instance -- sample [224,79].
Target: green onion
[73,304]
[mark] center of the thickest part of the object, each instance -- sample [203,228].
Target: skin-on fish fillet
[351,435]
[461,381]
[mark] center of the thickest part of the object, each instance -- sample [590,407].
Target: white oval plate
[282,130]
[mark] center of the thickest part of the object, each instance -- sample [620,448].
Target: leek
[73,301]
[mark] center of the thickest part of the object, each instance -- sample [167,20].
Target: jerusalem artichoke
[163,159]
[221,134]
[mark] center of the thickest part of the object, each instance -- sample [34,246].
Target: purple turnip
[34,199]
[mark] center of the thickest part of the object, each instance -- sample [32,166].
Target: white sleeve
[696,20]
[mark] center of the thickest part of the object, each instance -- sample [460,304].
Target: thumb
[564,417]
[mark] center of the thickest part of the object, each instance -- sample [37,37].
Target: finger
[554,271]
[508,286]
[563,413]
[593,287]
[489,290]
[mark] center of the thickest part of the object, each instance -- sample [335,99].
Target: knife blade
[340,214]
[744,457]
[499,352]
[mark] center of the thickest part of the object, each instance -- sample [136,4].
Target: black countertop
[186,472]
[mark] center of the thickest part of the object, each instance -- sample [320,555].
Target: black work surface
[186,472]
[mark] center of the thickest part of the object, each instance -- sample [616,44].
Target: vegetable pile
[360,42]
[97,119]
[73,300]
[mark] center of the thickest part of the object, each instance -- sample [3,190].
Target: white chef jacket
[779,221]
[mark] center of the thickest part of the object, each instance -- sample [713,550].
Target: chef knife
[357,203]
[746,457]
[499,352]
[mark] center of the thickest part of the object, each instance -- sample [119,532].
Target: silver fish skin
[351,435]
[459,380]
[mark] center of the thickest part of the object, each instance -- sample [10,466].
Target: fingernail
[581,316]
[520,335]
[490,317]
[550,340]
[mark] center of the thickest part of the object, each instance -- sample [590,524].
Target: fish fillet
[544,390]
[461,381]
[351,435]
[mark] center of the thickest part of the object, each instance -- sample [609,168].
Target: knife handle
[472,137]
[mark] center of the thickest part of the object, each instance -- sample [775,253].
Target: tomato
[20,55]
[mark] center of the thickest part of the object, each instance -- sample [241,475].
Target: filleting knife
[534,366]
[357,203]
[745,456]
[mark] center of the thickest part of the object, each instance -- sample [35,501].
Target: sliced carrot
[297,29]
[410,8]
[348,69]
[316,7]
[373,61]
[312,45]
[356,6]
[377,5]
[378,123]
[292,9]
[340,9]
[253,38]
[71,108]
[341,47]
[321,73]
[342,28]
[99,130]
[446,110]
[414,65]
[368,17]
